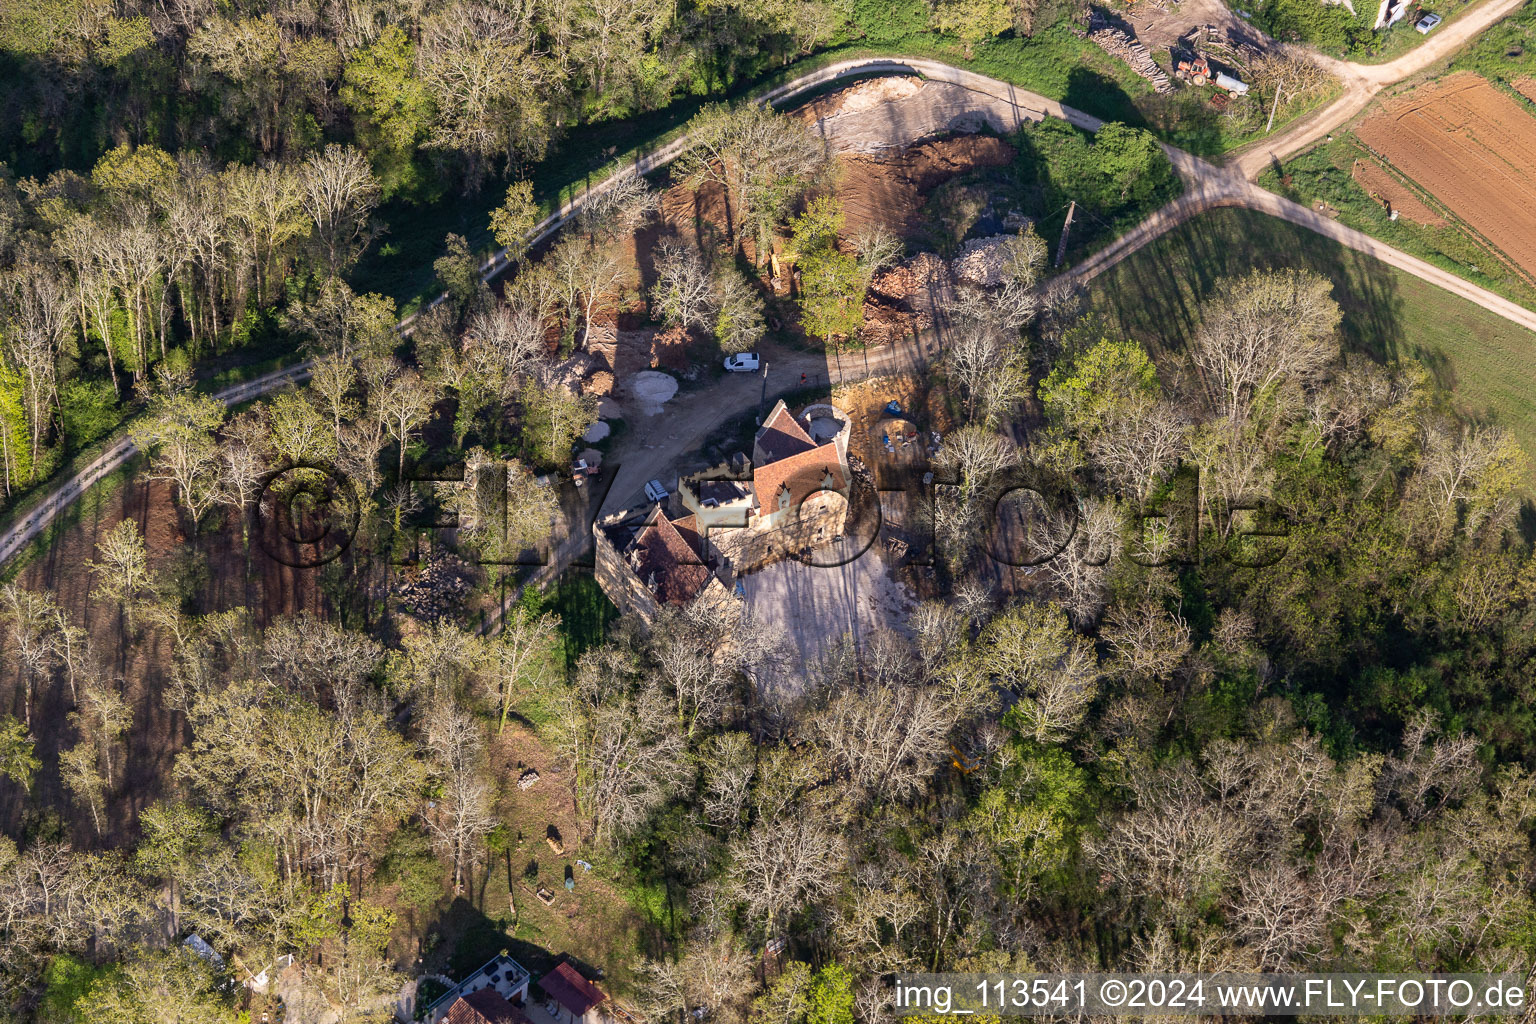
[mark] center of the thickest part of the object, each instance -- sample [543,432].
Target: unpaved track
[1206,187]
[1363,81]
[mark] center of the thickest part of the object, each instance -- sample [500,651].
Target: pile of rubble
[436,589]
[1118,43]
[886,323]
[923,276]
[983,261]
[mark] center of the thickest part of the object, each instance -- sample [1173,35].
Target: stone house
[796,487]
[646,561]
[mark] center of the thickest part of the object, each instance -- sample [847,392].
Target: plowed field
[1474,149]
[1382,186]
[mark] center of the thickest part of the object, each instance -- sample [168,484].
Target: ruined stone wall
[619,582]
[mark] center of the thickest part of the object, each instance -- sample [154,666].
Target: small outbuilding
[573,999]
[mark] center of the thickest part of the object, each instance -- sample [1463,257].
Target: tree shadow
[481,937]
[1093,93]
[1156,296]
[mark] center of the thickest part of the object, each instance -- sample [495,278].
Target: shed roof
[780,436]
[567,987]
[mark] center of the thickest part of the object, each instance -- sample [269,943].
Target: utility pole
[1272,108]
[764,399]
[1061,248]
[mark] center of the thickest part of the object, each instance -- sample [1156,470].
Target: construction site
[1176,44]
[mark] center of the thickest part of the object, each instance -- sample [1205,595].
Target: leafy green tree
[172,987]
[831,292]
[514,219]
[88,410]
[973,21]
[459,272]
[69,979]
[395,110]
[15,452]
[1133,165]
[830,997]
[176,836]
[1084,394]
[553,418]
[17,760]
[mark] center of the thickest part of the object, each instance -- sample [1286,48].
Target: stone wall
[618,581]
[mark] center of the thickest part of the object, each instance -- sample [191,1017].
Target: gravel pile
[983,261]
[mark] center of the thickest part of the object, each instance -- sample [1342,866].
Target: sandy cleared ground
[910,110]
[1382,186]
[1474,149]
[813,607]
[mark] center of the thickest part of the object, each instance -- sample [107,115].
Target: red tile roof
[484,1007]
[780,437]
[803,474]
[670,555]
[567,987]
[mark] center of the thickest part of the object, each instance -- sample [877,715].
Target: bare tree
[33,620]
[513,332]
[403,405]
[462,815]
[123,573]
[44,320]
[488,81]
[682,293]
[179,433]
[339,194]
[1472,473]
[786,862]
[1261,332]
[634,759]
[764,160]
[624,204]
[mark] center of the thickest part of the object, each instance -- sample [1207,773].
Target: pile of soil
[886,323]
[868,93]
[890,189]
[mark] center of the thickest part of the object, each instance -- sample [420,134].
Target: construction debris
[527,779]
[923,275]
[1118,43]
[436,589]
[983,261]
[886,323]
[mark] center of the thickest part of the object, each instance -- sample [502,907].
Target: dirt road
[651,451]
[1361,84]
